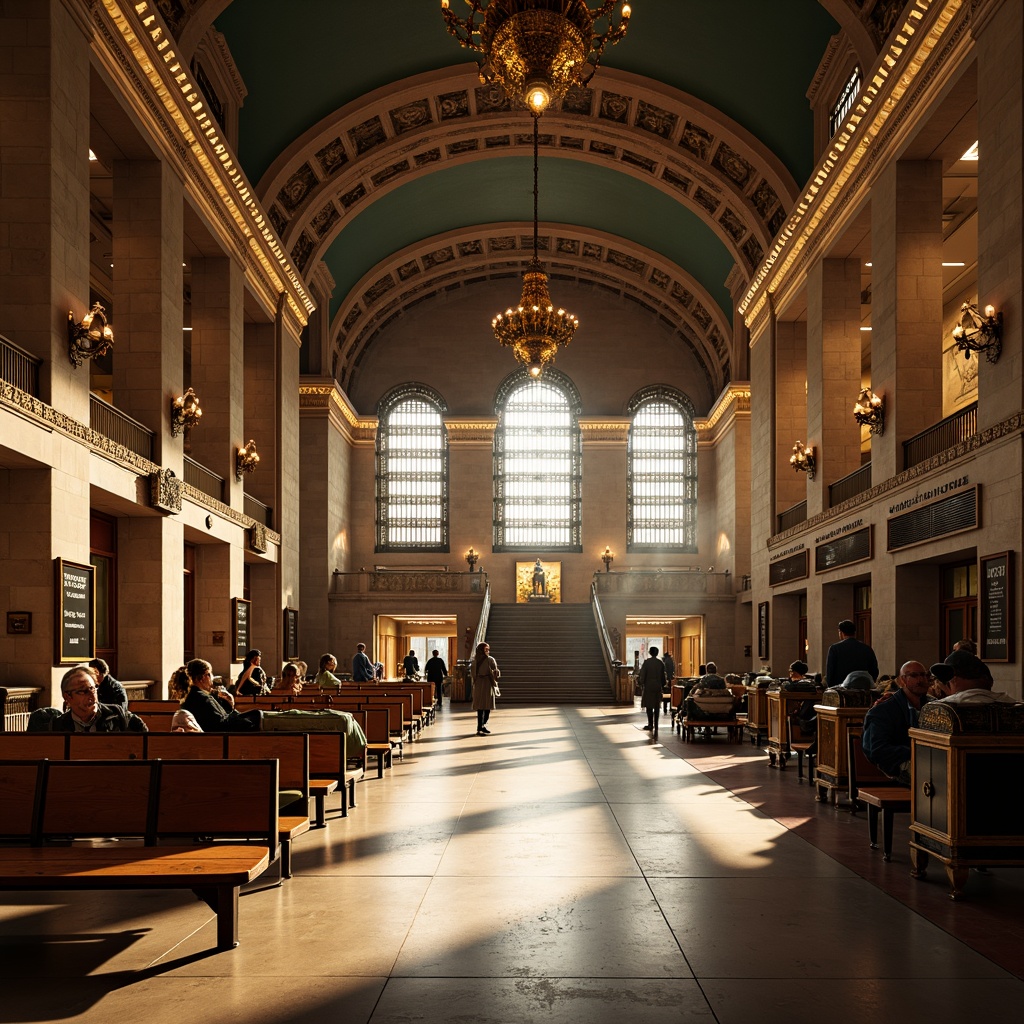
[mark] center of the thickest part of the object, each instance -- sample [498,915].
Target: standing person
[485,687]
[411,664]
[252,680]
[111,691]
[652,682]
[436,671]
[848,655]
[362,667]
[670,674]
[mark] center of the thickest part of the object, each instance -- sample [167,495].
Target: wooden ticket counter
[839,710]
[781,704]
[967,789]
[757,709]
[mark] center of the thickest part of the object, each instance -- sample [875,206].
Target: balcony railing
[203,479]
[19,367]
[850,485]
[792,516]
[120,428]
[255,509]
[940,436]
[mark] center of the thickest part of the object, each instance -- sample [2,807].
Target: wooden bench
[801,746]
[688,728]
[882,796]
[157,801]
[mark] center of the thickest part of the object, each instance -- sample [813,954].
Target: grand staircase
[548,654]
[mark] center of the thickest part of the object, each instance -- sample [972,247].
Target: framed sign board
[997,583]
[762,631]
[291,634]
[240,627]
[75,612]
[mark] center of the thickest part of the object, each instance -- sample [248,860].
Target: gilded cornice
[735,399]
[604,430]
[467,431]
[46,417]
[135,43]
[330,398]
[908,64]
[974,443]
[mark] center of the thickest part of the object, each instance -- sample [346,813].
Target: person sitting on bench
[214,713]
[80,689]
[969,680]
[886,738]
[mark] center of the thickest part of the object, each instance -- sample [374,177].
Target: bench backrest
[110,746]
[185,746]
[291,749]
[21,787]
[153,705]
[327,756]
[376,725]
[29,746]
[156,721]
[96,798]
[224,799]
[861,771]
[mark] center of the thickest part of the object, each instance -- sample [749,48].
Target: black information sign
[762,631]
[997,583]
[785,570]
[854,547]
[240,626]
[76,612]
[291,634]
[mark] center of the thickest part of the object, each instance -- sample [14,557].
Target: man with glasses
[80,689]
[887,724]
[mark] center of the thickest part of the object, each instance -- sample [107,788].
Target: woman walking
[652,681]
[485,687]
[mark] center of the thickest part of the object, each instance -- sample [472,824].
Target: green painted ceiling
[752,59]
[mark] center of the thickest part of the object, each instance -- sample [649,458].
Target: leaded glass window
[537,465]
[662,473]
[412,471]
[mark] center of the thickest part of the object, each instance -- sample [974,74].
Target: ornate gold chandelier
[535,330]
[536,50]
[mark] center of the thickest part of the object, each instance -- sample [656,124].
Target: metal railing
[19,367]
[607,650]
[792,516]
[850,485]
[105,419]
[255,509]
[940,436]
[203,479]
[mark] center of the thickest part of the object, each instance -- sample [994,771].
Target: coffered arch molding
[459,259]
[662,136]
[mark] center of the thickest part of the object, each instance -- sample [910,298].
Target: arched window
[412,471]
[661,487]
[537,464]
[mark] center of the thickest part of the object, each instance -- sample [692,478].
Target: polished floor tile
[567,868]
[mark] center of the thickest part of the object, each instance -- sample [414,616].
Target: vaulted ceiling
[378,152]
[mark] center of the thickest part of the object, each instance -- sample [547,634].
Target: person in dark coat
[886,738]
[214,713]
[849,655]
[411,664]
[252,680]
[80,689]
[111,691]
[362,667]
[436,672]
[651,681]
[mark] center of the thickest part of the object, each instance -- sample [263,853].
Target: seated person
[177,685]
[805,719]
[362,667]
[290,682]
[252,680]
[183,721]
[710,699]
[711,680]
[214,713]
[886,739]
[111,691]
[969,680]
[80,688]
[326,676]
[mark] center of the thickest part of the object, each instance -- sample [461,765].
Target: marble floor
[566,868]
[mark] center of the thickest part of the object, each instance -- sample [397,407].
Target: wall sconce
[802,459]
[185,413]
[869,411]
[246,459]
[607,558]
[91,337]
[472,558]
[979,333]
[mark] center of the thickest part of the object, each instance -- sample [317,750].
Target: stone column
[833,373]
[148,238]
[906,306]
[998,30]
[317,351]
[791,487]
[220,576]
[44,190]
[217,368]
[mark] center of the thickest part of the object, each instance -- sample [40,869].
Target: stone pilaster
[791,487]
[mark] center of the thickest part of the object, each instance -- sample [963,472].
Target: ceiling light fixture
[535,330]
[537,50]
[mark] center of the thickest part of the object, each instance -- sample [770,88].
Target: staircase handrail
[611,663]
[485,613]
